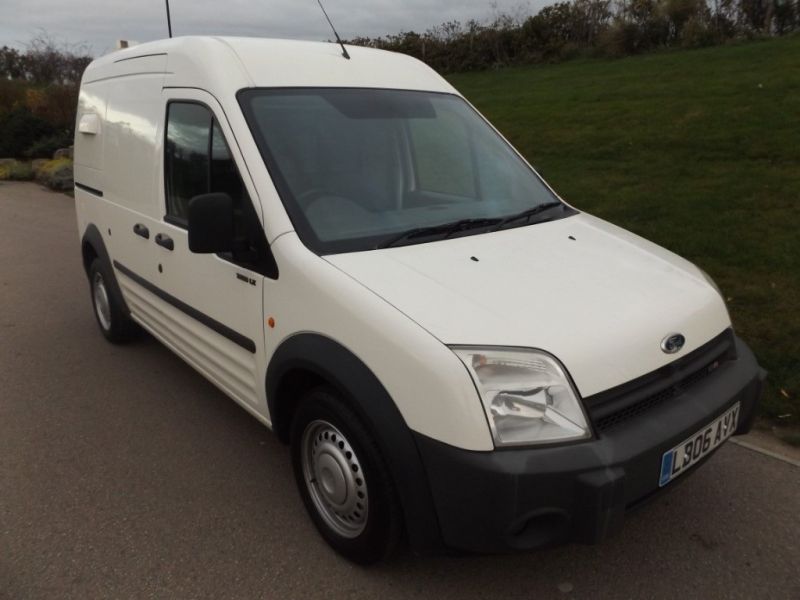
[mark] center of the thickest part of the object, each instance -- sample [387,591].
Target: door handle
[165,241]
[141,231]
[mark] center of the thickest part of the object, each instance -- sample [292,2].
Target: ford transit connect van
[346,248]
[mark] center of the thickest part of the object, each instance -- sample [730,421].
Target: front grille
[618,405]
[638,408]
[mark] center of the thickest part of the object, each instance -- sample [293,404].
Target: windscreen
[359,168]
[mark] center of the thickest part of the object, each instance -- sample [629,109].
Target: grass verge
[698,151]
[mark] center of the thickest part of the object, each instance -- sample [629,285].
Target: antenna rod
[338,39]
[169,20]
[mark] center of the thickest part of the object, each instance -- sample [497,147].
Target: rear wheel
[115,325]
[343,479]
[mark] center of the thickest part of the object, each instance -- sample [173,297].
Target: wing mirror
[211,224]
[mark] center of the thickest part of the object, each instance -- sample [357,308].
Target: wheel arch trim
[92,238]
[337,366]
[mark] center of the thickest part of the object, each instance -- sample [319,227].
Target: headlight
[526,394]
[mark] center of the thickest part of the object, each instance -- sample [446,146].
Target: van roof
[228,64]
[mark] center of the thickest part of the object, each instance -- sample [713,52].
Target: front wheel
[343,479]
[116,326]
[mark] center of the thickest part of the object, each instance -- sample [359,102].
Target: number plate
[686,454]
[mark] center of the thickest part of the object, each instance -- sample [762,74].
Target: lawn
[696,150]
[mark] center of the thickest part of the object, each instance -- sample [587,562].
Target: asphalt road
[124,474]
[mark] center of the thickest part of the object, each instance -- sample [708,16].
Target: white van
[346,248]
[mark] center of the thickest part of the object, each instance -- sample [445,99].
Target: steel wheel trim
[334,479]
[102,307]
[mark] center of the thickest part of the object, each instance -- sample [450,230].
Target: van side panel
[89,146]
[132,122]
[116,173]
[89,154]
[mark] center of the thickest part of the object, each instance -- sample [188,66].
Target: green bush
[12,95]
[52,166]
[696,33]
[18,129]
[56,174]
[568,29]
[45,147]
[22,172]
[16,171]
[620,39]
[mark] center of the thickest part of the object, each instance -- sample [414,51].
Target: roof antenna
[169,21]
[338,39]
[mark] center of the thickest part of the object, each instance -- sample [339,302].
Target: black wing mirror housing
[211,228]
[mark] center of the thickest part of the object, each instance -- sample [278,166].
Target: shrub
[21,172]
[569,28]
[54,103]
[38,96]
[16,171]
[696,33]
[621,39]
[56,174]
[12,95]
[51,166]
[45,147]
[786,17]
[19,128]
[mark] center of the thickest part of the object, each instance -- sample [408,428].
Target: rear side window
[197,159]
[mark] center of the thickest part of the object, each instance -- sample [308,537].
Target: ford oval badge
[673,343]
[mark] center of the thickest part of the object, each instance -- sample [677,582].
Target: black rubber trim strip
[220,328]
[670,379]
[309,355]
[177,221]
[91,190]
[119,60]
[92,246]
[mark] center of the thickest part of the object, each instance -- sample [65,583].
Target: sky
[99,23]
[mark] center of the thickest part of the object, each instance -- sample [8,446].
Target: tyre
[115,325]
[343,480]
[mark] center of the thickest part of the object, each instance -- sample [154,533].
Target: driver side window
[197,161]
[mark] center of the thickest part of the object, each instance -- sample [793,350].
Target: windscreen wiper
[445,230]
[528,214]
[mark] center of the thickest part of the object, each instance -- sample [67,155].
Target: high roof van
[346,248]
